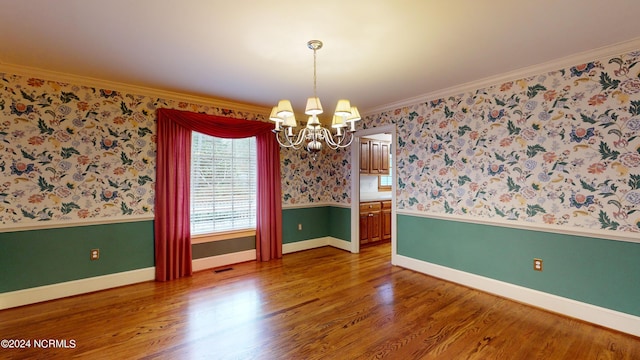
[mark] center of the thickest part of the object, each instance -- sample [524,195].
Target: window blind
[223,184]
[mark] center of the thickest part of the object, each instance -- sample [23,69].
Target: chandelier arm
[283,144]
[288,142]
[300,137]
[350,139]
[333,144]
[328,137]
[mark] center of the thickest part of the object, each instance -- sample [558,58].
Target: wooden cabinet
[375,221]
[384,157]
[386,220]
[364,156]
[374,157]
[370,222]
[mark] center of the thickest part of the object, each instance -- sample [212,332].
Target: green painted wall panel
[42,257]
[340,223]
[595,271]
[316,222]
[222,247]
[49,256]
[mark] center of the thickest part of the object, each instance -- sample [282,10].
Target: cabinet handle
[370,214]
[370,206]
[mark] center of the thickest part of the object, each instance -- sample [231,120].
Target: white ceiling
[376,52]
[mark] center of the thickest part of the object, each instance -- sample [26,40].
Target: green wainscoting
[49,256]
[340,223]
[317,222]
[42,257]
[222,247]
[590,270]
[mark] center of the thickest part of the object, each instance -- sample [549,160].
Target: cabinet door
[384,158]
[374,226]
[364,228]
[370,221]
[364,156]
[386,224]
[375,152]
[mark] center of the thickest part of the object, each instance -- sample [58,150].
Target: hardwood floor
[318,304]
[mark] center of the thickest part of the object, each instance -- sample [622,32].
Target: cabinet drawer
[386,204]
[370,206]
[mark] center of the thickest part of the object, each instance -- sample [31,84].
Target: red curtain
[172,223]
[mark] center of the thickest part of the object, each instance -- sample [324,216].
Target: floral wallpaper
[560,148]
[70,152]
[325,179]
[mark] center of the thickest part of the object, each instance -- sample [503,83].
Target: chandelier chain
[315,94]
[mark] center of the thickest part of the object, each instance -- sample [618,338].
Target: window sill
[205,238]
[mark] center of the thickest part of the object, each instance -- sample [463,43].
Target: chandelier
[312,135]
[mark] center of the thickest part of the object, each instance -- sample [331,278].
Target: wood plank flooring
[317,304]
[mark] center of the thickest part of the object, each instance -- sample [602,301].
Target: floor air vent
[222,270]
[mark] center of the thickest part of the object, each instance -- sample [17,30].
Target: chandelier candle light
[313,133]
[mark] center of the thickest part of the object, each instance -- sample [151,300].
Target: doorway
[386,132]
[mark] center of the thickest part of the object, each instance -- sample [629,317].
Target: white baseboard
[340,244]
[612,319]
[316,243]
[223,260]
[304,245]
[82,286]
[75,287]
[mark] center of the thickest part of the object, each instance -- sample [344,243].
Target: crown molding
[129,88]
[553,65]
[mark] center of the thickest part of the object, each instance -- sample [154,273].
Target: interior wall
[308,181]
[369,183]
[222,247]
[558,152]
[590,270]
[556,149]
[73,153]
[41,257]
[73,156]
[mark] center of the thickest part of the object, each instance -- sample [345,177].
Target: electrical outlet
[95,254]
[299,226]
[537,264]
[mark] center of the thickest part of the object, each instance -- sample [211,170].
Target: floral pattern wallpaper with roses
[72,153]
[560,148]
[326,179]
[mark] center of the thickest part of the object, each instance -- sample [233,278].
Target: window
[385,181]
[223,184]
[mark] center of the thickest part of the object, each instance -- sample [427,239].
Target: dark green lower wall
[221,247]
[340,223]
[317,222]
[601,272]
[42,257]
[49,256]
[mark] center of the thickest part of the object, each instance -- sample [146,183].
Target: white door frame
[355,187]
